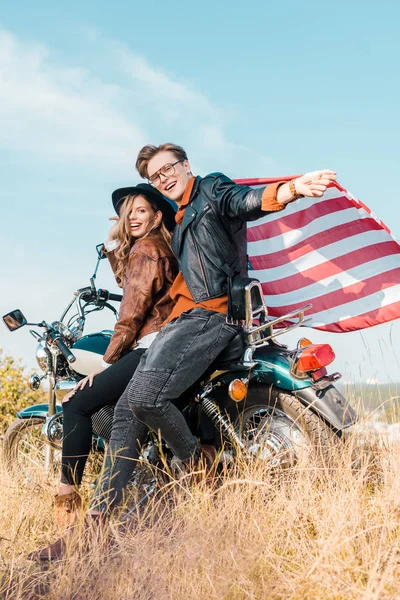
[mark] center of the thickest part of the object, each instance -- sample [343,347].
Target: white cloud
[59,111]
[72,115]
[188,113]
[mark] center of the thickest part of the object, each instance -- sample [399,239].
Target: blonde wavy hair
[126,240]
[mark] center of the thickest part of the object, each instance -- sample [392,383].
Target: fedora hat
[167,207]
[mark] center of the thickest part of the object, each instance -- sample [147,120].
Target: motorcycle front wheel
[28,456]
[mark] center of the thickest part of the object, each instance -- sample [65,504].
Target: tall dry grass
[316,531]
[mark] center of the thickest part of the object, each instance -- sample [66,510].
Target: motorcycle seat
[230,357]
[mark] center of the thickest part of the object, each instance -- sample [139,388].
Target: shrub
[15,393]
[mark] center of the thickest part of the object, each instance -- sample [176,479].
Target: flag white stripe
[357,307]
[327,253]
[331,290]
[283,241]
[336,282]
[297,206]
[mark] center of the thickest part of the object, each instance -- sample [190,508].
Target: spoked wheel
[277,428]
[270,435]
[29,456]
[26,453]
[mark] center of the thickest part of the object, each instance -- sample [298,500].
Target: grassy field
[315,531]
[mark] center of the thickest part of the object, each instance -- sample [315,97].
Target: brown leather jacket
[146,302]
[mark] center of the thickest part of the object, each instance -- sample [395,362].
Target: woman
[144,265]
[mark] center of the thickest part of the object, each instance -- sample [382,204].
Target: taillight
[314,357]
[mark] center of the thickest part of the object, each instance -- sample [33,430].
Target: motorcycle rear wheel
[24,451]
[275,426]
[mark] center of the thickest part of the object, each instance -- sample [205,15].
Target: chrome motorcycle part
[62,329]
[63,387]
[34,381]
[269,403]
[53,431]
[248,361]
[42,357]
[221,422]
[102,422]
[271,436]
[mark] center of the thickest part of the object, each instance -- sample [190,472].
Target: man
[210,244]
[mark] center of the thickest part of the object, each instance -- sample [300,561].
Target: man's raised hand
[314,184]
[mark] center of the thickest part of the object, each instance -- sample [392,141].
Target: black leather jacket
[211,242]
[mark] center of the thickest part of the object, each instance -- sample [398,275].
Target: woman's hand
[81,385]
[112,234]
[314,184]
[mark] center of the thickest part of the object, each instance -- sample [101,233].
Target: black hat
[168,208]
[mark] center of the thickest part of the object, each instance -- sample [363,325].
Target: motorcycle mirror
[99,250]
[14,320]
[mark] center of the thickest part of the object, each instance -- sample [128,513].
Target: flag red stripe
[368,319]
[312,237]
[315,242]
[264,180]
[331,267]
[373,285]
[296,220]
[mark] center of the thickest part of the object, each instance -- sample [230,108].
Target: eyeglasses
[166,170]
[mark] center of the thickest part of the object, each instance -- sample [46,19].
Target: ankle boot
[67,508]
[90,532]
[203,460]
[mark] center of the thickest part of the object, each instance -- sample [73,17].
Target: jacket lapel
[188,217]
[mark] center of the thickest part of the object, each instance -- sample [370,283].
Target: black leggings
[107,388]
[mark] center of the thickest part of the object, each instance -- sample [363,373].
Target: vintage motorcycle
[259,397]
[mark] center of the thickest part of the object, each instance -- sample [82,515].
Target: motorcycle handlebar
[105,295]
[115,297]
[65,350]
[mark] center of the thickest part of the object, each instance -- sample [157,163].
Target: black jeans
[181,353]
[127,432]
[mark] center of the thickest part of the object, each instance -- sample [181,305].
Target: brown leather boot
[201,467]
[67,508]
[90,532]
[208,455]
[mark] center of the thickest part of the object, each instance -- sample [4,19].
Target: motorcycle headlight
[41,357]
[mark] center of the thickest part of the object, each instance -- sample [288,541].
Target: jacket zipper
[201,266]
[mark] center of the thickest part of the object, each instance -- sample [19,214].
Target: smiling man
[210,243]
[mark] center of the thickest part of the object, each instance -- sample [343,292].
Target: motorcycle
[259,397]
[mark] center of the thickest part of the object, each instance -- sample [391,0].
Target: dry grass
[314,532]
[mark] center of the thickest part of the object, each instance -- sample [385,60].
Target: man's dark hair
[149,151]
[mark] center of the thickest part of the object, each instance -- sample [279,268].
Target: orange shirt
[179,291]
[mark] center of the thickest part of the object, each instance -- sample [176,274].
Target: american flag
[331,252]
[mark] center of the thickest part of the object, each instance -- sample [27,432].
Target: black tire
[24,448]
[280,428]
[24,453]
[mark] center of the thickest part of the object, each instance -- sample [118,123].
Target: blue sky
[256,89]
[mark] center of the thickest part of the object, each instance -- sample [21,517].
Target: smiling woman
[138,217]
[143,263]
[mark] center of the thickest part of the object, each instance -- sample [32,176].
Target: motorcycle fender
[39,410]
[274,368]
[330,404]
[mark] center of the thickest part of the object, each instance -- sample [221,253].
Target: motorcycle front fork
[49,450]
[48,459]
